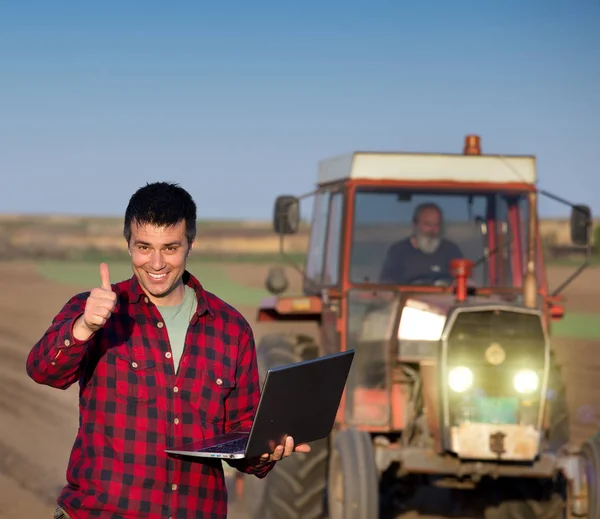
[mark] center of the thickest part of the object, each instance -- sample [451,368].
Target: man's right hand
[98,308]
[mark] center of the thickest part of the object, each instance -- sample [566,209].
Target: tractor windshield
[407,237]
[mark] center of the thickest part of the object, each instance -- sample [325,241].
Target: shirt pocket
[135,379]
[209,397]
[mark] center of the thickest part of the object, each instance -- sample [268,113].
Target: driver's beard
[428,244]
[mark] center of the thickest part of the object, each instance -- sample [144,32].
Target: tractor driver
[425,255]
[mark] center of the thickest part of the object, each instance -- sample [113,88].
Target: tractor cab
[400,221]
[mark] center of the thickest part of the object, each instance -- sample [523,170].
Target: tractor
[431,267]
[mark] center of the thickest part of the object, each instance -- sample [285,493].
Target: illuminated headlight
[420,325]
[526,381]
[460,379]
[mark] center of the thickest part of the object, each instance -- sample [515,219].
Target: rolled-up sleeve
[55,360]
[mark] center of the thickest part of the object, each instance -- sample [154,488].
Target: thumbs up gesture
[98,307]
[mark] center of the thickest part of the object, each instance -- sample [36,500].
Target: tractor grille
[495,344]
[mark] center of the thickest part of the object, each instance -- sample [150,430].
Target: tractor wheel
[353,480]
[590,453]
[279,349]
[525,498]
[295,488]
[559,433]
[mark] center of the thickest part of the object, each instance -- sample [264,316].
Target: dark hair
[163,204]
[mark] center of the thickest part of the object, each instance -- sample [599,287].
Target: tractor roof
[428,167]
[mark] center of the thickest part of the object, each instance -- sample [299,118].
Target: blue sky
[239,101]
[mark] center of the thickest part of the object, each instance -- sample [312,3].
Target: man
[160,361]
[425,255]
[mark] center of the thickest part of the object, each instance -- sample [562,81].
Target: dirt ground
[38,424]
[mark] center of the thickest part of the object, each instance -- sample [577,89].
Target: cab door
[331,293]
[323,263]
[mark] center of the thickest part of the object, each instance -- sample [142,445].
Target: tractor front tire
[295,488]
[278,349]
[353,479]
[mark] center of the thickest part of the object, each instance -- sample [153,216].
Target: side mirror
[286,216]
[581,224]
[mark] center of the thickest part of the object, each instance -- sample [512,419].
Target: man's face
[158,258]
[428,229]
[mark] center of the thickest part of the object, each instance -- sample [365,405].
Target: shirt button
[176,421]
[173,486]
[175,389]
[67,342]
[160,324]
[168,355]
[134,364]
[146,299]
[219,382]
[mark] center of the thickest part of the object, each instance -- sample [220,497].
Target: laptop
[299,400]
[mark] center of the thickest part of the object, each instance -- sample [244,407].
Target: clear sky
[238,101]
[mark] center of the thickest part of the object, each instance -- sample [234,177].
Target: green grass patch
[213,277]
[199,257]
[578,326]
[575,263]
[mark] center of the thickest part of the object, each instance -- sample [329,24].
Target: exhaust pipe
[530,281]
[462,270]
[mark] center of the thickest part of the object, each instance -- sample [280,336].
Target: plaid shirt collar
[136,293]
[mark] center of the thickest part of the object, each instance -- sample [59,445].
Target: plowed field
[38,424]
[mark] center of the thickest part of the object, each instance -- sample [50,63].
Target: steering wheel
[433,278]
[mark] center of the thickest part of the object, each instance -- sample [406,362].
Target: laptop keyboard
[228,447]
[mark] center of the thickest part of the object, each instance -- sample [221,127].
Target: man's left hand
[282,451]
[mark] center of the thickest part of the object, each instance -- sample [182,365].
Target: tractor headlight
[418,324]
[526,381]
[460,379]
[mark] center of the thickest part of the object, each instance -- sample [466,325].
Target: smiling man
[159,361]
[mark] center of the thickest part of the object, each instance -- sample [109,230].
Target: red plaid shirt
[133,405]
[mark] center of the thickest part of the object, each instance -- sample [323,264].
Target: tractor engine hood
[424,316]
[422,319]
